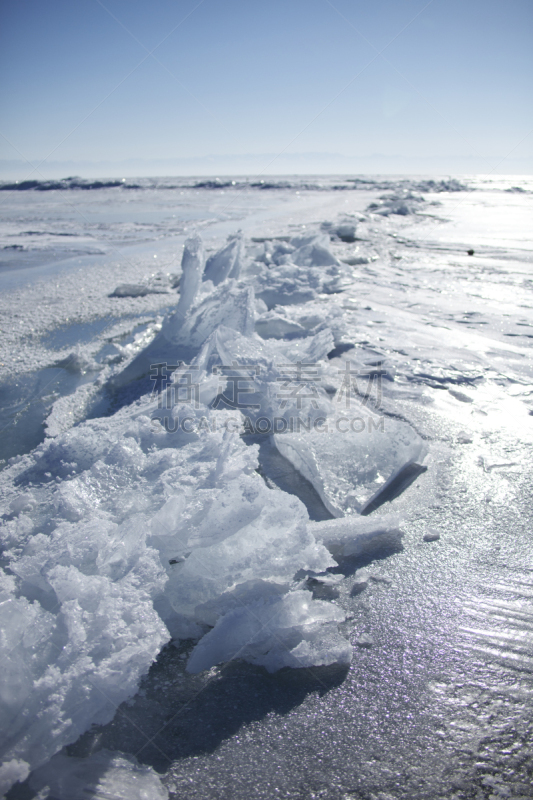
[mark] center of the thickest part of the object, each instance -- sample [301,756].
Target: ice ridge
[154,524]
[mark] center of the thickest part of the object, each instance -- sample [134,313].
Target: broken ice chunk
[346,232]
[12,772]
[285,286]
[351,459]
[274,326]
[192,265]
[240,531]
[229,306]
[356,536]
[130,290]
[402,203]
[227,262]
[290,631]
[314,255]
[248,592]
[309,238]
[105,774]
[311,349]
[361,578]
[181,338]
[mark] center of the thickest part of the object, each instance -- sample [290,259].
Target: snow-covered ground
[258,427]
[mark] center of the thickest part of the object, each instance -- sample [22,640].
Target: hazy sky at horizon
[112,80]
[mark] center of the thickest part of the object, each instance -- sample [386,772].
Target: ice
[314,254]
[69,410]
[365,640]
[181,338]
[126,531]
[286,285]
[274,326]
[227,262]
[357,536]
[378,577]
[76,646]
[230,305]
[402,203]
[258,371]
[157,284]
[346,232]
[311,238]
[361,578]
[352,457]
[105,775]
[130,290]
[12,772]
[192,266]
[230,533]
[134,529]
[289,631]
[298,271]
[291,284]
[250,591]
[146,531]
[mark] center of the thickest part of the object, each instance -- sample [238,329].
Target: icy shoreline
[124,528]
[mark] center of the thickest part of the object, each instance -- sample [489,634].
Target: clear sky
[380,86]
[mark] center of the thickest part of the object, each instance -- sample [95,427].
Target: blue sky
[378,86]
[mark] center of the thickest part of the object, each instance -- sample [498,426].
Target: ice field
[265,472]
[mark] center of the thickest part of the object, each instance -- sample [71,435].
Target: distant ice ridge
[402,203]
[127,531]
[326,183]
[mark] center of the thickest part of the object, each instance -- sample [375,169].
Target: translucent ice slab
[356,536]
[227,262]
[352,457]
[289,631]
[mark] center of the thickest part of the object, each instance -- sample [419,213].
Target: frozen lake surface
[295,558]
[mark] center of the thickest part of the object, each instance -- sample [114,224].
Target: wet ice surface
[437,699]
